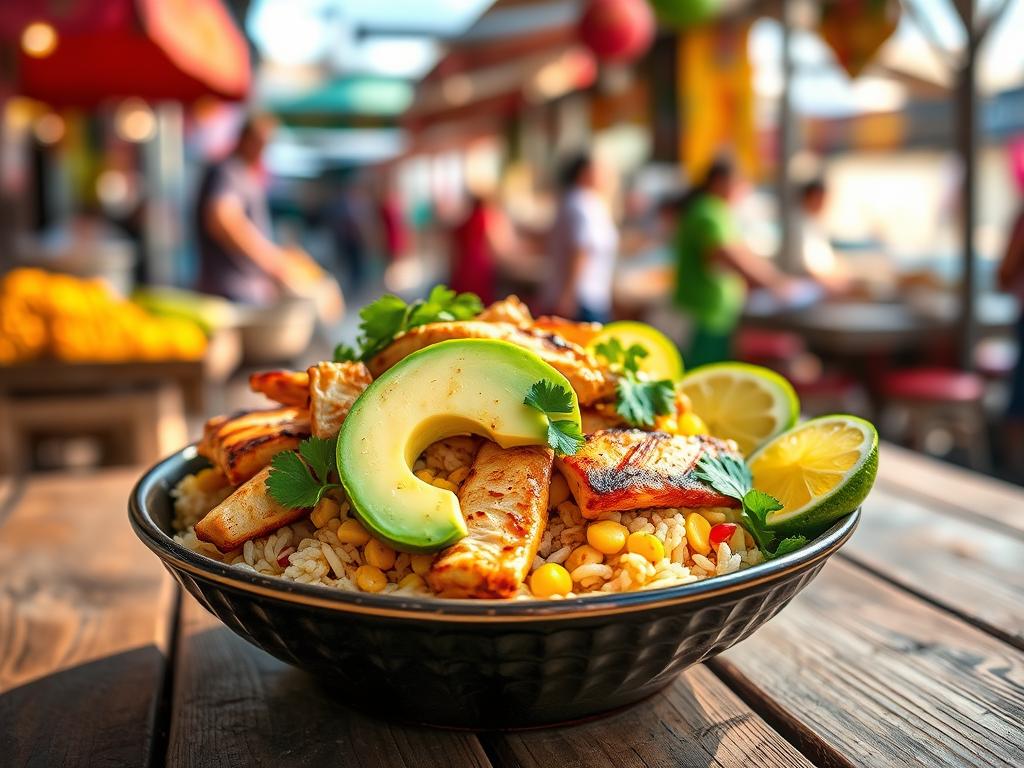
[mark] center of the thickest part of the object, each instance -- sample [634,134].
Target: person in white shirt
[818,256]
[583,245]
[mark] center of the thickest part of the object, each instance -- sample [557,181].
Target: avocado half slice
[452,388]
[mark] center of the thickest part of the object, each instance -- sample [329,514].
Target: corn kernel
[558,492]
[324,510]
[691,424]
[647,545]
[370,578]
[412,581]
[582,555]
[210,479]
[421,564]
[352,532]
[698,529]
[426,475]
[448,485]
[549,580]
[379,554]
[459,475]
[607,536]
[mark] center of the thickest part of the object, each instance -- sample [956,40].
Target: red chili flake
[282,559]
[721,532]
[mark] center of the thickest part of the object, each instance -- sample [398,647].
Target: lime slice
[663,360]
[742,402]
[819,471]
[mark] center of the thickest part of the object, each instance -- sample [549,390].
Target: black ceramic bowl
[480,664]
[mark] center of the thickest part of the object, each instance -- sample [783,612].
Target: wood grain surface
[696,721]
[84,609]
[234,705]
[858,672]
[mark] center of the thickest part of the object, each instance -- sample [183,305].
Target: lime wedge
[741,402]
[819,471]
[663,360]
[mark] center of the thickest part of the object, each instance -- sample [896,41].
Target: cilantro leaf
[321,455]
[388,316]
[731,477]
[548,398]
[726,474]
[565,437]
[343,353]
[631,356]
[292,482]
[759,504]
[289,482]
[638,402]
[610,350]
[789,544]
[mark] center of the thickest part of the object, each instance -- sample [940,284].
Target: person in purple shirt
[237,258]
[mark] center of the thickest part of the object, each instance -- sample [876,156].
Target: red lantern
[617,30]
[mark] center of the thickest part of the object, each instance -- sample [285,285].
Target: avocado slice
[451,388]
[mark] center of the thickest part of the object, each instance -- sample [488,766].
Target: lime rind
[785,407]
[848,494]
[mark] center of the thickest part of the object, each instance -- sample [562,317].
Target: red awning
[177,50]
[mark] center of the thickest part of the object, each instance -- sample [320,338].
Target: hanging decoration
[617,30]
[685,13]
[856,29]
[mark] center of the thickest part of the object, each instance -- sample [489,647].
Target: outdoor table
[907,650]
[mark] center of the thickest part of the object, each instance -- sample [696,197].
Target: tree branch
[931,35]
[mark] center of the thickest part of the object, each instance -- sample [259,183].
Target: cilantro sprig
[564,435]
[637,400]
[298,480]
[384,319]
[731,477]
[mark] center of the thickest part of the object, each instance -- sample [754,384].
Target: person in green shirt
[712,269]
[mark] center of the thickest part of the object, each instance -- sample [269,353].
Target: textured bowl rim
[461,610]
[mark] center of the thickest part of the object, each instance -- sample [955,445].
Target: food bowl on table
[479,663]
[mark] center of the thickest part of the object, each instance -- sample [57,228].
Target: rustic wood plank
[697,721]
[971,569]
[859,672]
[951,488]
[235,705]
[84,610]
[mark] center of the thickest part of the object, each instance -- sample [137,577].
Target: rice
[305,553]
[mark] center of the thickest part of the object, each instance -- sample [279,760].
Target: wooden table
[907,650]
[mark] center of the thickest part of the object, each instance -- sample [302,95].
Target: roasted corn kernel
[607,536]
[582,555]
[549,580]
[325,509]
[647,545]
[352,532]
[379,554]
[698,529]
[369,578]
[559,491]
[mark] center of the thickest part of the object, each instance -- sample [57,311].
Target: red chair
[829,392]
[778,350]
[942,397]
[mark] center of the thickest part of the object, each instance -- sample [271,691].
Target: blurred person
[1011,280]
[582,247]
[237,257]
[713,268]
[818,257]
[479,242]
[345,218]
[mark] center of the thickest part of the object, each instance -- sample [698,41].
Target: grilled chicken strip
[591,380]
[243,444]
[508,310]
[623,469]
[570,330]
[333,389]
[284,387]
[505,502]
[245,514]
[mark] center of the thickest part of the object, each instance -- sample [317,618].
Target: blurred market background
[191,190]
